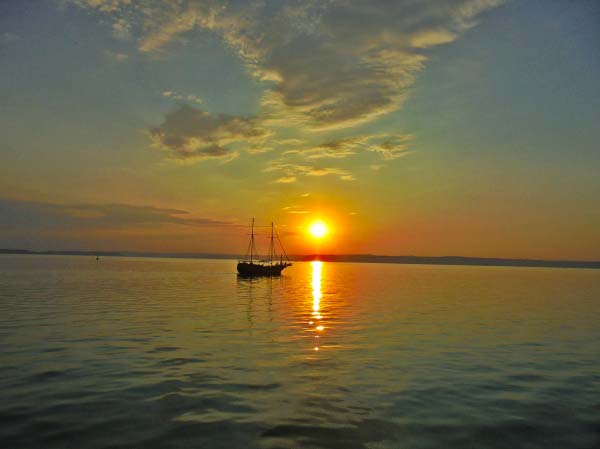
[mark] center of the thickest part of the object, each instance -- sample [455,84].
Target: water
[167,353]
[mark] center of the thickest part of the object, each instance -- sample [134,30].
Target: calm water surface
[166,353]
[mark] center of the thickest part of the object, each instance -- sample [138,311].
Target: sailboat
[250,266]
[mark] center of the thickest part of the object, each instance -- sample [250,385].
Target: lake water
[173,353]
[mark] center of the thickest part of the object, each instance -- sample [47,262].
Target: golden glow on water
[317,272]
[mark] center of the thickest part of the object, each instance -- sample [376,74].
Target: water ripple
[168,353]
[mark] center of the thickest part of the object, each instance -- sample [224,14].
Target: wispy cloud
[391,146]
[116,56]
[387,146]
[106,6]
[294,170]
[182,97]
[333,149]
[296,210]
[286,179]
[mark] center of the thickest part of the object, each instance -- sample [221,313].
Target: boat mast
[252,240]
[272,246]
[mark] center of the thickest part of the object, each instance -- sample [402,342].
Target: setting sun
[318,229]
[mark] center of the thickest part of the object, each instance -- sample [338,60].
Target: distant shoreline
[362,258]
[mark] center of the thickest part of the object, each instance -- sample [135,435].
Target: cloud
[191,133]
[293,170]
[342,63]
[324,87]
[324,66]
[40,225]
[286,179]
[116,56]
[30,216]
[332,149]
[106,6]
[182,97]
[295,210]
[391,146]
[386,146]
[327,64]
[289,142]
[431,37]
[121,29]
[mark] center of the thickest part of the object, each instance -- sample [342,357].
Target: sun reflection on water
[317,270]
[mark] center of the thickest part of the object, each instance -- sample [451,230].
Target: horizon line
[364,258]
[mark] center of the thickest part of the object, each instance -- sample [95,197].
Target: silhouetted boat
[251,267]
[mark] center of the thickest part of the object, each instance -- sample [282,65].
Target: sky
[430,127]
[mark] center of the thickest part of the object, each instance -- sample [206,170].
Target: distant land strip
[361,258]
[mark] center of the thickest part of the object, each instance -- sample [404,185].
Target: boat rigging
[251,266]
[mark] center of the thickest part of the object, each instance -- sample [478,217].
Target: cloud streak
[24,216]
[181,97]
[292,171]
[390,146]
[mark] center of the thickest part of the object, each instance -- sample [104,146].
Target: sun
[318,229]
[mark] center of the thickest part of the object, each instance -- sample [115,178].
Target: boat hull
[254,270]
